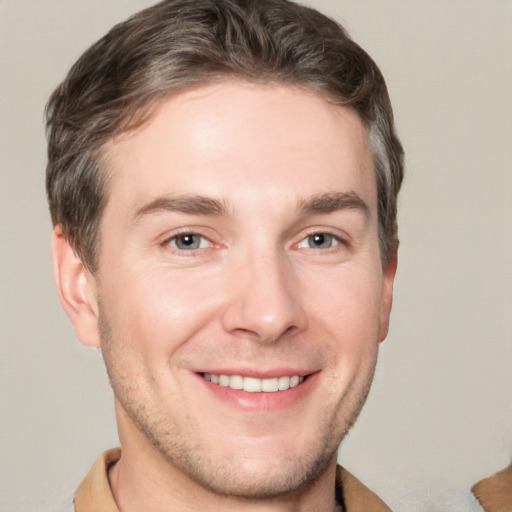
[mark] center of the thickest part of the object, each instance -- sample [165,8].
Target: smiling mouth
[254,385]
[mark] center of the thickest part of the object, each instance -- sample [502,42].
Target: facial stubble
[228,476]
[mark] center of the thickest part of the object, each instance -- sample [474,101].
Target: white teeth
[224,381]
[254,385]
[283,383]
[236,382]
[270,385]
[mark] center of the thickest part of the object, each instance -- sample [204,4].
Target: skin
[256,295]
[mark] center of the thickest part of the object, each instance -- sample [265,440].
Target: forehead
[240,139]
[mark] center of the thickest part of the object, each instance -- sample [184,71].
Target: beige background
[440,413]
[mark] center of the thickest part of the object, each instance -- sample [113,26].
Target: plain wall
[439,416]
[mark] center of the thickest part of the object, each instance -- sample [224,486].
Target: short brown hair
[178,44]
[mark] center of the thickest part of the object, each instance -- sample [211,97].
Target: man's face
[239,249]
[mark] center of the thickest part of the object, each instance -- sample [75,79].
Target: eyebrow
[202,205]
[332,202]
[193,204]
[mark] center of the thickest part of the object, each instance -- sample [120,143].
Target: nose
[264,302]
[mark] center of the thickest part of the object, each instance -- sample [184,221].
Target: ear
[77,290]
[387,295]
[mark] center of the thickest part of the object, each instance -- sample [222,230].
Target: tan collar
[94,494]
[495,492]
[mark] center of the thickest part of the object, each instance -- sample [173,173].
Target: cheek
[347,314]
[349,304]
[158,310]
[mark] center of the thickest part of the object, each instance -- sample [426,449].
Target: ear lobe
[77,290]
[387,295]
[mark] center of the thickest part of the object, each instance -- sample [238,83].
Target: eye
[319,241]
[189,242]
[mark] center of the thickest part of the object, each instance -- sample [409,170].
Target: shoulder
[94,493]
[355,495]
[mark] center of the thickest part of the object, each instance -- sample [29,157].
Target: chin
[253,481]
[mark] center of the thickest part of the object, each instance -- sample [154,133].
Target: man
[222,179]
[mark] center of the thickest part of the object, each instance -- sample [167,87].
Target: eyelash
[173,242]
[206,243]
[322,236]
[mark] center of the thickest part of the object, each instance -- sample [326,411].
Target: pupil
[188,242]
[319,239]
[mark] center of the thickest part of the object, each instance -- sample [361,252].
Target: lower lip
[263,402]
